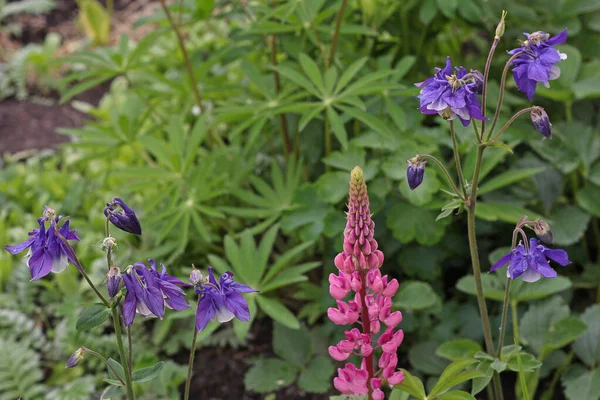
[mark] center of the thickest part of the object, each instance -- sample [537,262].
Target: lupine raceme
[370,303]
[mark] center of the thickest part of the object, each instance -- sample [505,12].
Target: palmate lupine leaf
[250,264]
[269,201]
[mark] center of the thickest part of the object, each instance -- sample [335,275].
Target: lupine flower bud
[541,121]
[501,26]
[415,172]
[543,231]
[123,217]
[351,380]
[376,386]
[75,358]
[113,281]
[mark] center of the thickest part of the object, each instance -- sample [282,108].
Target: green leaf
[278,312]
[456,395]
[587,347]
[562,333]
[502,211]
[525,291]
[457,349]
[338,127]
[293,345]
[146,374]
[587,198]
[508,178]
[415,295]
[312,71]
[528,363]
[537,323]
[412,385]
[268,375]
[316,377]
[422,194]
[203,9]
[522,380]
[118,368]
[570,223]
[492,288]
[427,11]
[409,222]
[349,73]
[479,384]
[584,387]
[500,144]
[92,316]
[454,375]
[370,120]
[422,357]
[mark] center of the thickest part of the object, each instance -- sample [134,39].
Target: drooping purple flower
[415,172]
[148,292]
[47,252]
[122,216]
[540,120]
[538,63]
[532,264]
[221,301]
[76,358]
[451,95]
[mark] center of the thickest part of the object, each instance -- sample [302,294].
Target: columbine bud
[196,277]
[109,243]
[543,231]
[501,26]
[541,121]
[75,358]
[122,216]
[113,281]
[415,172]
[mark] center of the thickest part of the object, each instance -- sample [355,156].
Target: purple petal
[177,303]
[240,287]
[558,39]
[448,69]
[40,264]
[538,72]
[206,311]
[154,300]
[531,276]
[129,306]
[557,255]
[17,248]
[501,262]
[424,83]
[238,305]
[518,265]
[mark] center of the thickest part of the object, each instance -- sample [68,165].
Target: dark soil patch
[219,372]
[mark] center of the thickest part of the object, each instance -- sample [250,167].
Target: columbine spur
[451,95]
[47,252]
[538,61]
[221,301]
[532,263]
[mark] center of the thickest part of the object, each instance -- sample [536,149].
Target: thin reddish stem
[366,324]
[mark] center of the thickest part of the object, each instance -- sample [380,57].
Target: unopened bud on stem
[501,26]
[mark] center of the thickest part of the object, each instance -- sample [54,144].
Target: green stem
[105,361]
[122,357]
[461,177]
[282,117]
[336,34]
[486,73]
[515,321]
[485,321]
[188,380]
[511,120]
[503,322]
[129,353]
[569,110]
[446,173]
[501,95]
[327,135]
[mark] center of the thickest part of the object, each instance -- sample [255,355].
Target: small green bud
[501,26]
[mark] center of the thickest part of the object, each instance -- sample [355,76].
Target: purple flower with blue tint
[532,263]
[122,216]
[538,63]
[47,252]
[540,120]
[148,292]
[221,301]
[114,279]
[451,95]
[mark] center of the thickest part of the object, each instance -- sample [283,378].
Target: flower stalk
[188,379]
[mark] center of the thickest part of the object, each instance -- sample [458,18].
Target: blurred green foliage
[254,177]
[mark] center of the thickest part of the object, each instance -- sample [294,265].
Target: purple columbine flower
[76,358]
[532,263]
[451,95]
[538,64]
[47,252]
[540,120]
[415,172]
[221,301]
[122,216]
[148,292]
